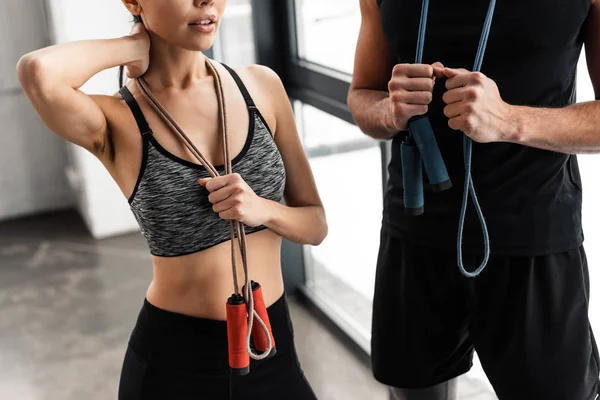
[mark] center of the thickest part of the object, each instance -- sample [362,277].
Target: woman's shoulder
[267,90]
[261,81]
[260,73]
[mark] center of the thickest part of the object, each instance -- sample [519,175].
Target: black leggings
[177,357]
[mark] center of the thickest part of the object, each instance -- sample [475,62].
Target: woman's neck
[174,68]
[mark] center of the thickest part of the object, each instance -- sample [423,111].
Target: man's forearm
[372,112]
[574,129]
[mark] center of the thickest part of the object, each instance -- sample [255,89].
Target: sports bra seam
[202,248]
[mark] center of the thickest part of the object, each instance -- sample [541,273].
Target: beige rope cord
[234,226]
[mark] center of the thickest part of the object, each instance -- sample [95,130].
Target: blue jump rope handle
[422,132]
[412,178]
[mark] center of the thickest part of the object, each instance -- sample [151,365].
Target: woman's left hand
[232,198]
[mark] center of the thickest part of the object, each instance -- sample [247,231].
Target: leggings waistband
[171,338]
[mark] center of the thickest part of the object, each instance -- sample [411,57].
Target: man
[526,314]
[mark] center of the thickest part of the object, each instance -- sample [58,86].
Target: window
[235,41]
[311,45]
[347,169]
[327,31]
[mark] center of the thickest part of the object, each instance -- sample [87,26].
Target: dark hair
[136,19]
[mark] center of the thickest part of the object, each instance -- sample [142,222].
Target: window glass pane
[328,31]
[235,41]
[349,181]
[324,134]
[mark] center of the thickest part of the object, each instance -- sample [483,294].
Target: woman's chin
[200,45]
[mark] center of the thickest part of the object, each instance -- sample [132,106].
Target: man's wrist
[517,121]
[389,125]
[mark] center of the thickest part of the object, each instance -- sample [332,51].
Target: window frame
[276,34]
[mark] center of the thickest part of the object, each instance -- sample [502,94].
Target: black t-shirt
[531,198]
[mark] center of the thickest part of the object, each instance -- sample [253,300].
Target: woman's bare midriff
[199,284]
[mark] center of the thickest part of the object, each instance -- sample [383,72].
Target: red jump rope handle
[258,335]
[237,327]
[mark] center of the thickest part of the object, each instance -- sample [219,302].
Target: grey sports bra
[173,210]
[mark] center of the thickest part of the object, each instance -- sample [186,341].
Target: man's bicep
[373,62]
[592,46]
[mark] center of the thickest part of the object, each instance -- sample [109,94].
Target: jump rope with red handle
[246,306]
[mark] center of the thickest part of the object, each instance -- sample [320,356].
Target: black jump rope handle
[421,149]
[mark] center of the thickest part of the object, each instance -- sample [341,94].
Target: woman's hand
[138,67]
[232,198]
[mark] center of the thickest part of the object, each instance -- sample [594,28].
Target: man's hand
[475,107]
[411,90]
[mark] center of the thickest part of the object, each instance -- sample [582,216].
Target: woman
[178,348]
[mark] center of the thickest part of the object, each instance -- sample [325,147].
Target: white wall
[32,159]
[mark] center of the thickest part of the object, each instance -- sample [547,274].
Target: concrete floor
[68,304]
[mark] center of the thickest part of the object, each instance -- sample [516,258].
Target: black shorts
[527,318]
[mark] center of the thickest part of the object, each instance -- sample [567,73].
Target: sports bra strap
[241,86]
[136,111]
